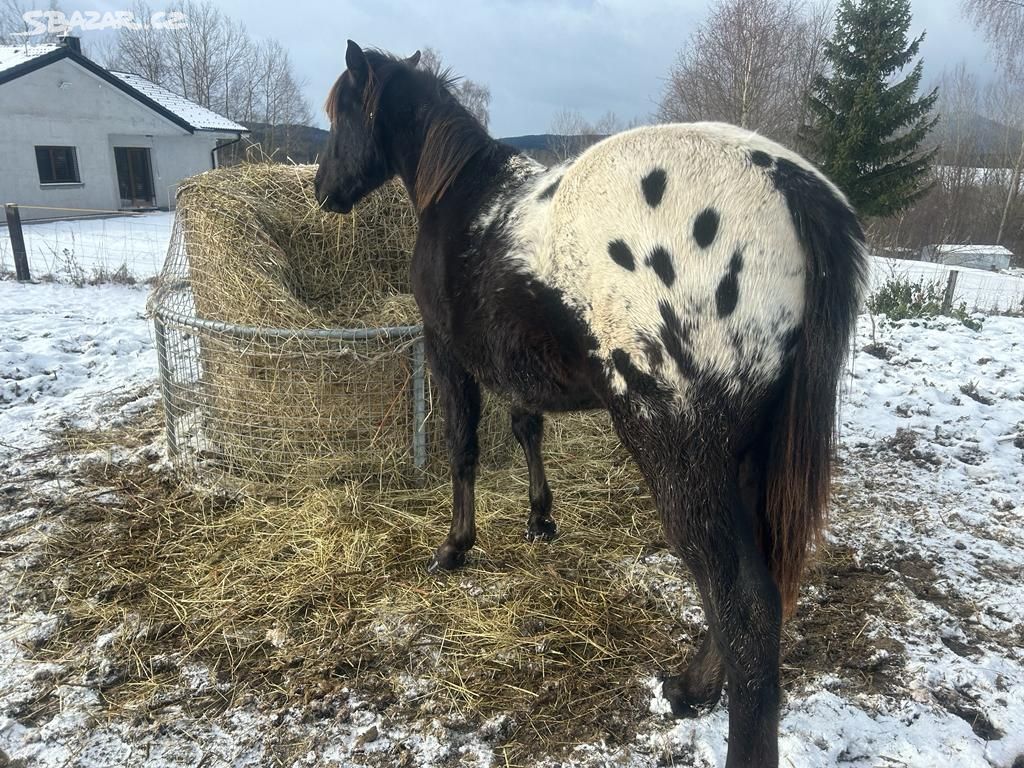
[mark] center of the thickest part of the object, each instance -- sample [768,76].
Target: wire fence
[289,344]
[85,246]
[980,290]
[281,408]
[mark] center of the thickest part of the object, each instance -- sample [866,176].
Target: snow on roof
[13,55]
[197,116]
[973,249]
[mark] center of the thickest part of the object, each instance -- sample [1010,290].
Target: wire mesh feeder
[289,345]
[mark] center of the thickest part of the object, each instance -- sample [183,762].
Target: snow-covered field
[91,250]
[928,527]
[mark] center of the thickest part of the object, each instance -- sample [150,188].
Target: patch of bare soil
[835,629]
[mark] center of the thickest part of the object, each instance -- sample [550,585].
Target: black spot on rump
[760,158]
[675,338]
[660,261]
[653,185]
[652,349]
[550,190]
[638,382]
[621,254]
[728,293]
[705,227]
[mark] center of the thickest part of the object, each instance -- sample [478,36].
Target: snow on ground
[63,351]
[87,250]
[930,502]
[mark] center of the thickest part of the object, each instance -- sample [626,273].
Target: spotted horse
[698,281]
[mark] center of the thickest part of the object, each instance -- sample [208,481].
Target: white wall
[93,116]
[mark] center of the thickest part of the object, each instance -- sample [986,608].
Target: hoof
[685,702]
[541,529]
[446,558]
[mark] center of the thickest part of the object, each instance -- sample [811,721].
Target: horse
[698,281]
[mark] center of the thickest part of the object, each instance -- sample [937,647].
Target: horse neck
[442,149]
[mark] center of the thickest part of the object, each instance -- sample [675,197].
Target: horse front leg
[460,398]
[528,428]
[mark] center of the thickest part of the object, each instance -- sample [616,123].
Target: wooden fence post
[947,298]
[17,243]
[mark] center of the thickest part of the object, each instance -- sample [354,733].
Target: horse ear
[413,60]
[356,62]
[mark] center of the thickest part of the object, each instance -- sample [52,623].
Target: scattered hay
[291,601]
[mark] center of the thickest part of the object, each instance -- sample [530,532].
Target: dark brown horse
[698,281]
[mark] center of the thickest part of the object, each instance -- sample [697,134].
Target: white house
[994,257]
[74,135]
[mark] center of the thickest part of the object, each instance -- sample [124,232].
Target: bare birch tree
[750,63]
[1002,23]
[213,61]
[474,96]
[13,24]
[143,50]
[569,132]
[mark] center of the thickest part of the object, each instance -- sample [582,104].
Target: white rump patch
[733,328]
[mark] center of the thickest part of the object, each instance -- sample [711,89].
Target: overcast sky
[537,56]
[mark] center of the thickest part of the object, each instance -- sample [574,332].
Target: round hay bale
[275,372]
[261,252]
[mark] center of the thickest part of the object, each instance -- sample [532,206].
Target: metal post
[947,298]
[17,242]
[419,405]
[166,387]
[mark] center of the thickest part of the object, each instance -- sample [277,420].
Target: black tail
[803,439]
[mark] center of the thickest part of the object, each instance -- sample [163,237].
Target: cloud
[539,56]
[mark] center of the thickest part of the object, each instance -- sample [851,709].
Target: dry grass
[290,601]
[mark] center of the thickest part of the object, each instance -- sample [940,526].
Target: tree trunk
[1011,194]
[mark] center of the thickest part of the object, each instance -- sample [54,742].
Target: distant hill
[533,141]
[304,143]
[990,139]
[550,148]
[281,143]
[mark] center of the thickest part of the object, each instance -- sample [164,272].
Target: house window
[57,165]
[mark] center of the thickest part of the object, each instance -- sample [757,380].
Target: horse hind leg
[698,689]
[698,487]
[528,427]
[742,604]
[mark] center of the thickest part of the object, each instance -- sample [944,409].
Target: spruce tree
[868,126]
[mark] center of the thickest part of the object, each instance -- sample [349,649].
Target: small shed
[993,257]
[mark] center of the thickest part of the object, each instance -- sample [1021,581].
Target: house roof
[19,60]
[14,55]
[198,116]
[972,250]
